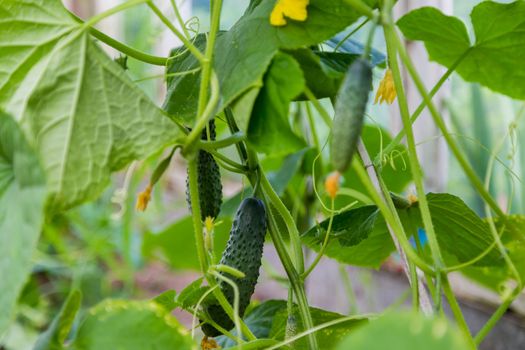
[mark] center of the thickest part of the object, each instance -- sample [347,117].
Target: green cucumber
[350,110]
[208,180]
[244,253]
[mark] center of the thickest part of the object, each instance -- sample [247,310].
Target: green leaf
[359,237]
[323,71]
[459,230]
[269,130]
[495,277]
[191,294]
[55,336]
[494,60]
[329,337]
[176,244]
[167,299]
[259,319]
[242,54]
[402,331]
[81,111]
[22,197]
[130,325]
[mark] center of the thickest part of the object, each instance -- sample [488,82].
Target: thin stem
[295,238]
[347,36]
[179,19]
[196,214]
[347,283]
[456,310]
[124,6]
[294,278]
[417,173]
[494,319]
[187,43]
[471,174]
[226,142]
[324,245]
[204,115]
[317,105]
[125,49]
[361,7]
[397,140]
[397,228]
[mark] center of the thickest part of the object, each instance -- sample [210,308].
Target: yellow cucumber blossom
[332,184]
[387,90]
[143,199]
[293,9]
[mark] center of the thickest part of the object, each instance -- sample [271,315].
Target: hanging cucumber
[350,110]
[208,180]
[244,253]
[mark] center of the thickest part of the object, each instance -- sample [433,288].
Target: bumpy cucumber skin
[349,113]
[208,180]
[244,252]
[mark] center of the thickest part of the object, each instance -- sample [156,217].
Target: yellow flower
[144,198]
[387,89]
[293,9]
[332,184]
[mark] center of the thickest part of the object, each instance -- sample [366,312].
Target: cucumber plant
[253,102]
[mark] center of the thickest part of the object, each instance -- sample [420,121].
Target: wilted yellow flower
[143,199]
[208,223]
[387,89]
[293,9]
[332,184]
[209,343]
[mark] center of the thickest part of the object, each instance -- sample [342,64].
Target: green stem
[347,36]
[361,7]
[397,140]
[494,319]
[471,174]
[295,238]
[294,278]
[323,246]
[347,284]
[187,43]
[317,105]
[124,6]
[417,172]
[179,19]
[201,249]
[395,224]
[456,310]
[125,49]
[226,142]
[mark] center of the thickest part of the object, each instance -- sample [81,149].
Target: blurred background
[108,250]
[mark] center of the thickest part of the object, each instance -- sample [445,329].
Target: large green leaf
[494,60]
[268,320]
[130,325]
[329,337]
[22,197]
[459,230]
[359,237]
[512,232]
[83,114]
[55,336]
[269,129]
[243,54]
[176,243]
[405,331]
[259,319]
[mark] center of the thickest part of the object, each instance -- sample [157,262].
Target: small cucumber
[243,252]
[350,113]
[208,179]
